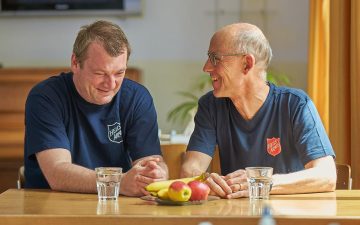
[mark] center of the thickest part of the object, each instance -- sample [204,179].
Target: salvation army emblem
[273,146]
[114,132]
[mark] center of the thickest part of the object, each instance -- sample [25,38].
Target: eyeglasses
[215,57]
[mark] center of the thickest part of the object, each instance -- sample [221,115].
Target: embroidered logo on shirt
[114,133]
[273,146]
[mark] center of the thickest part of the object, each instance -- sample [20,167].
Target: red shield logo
[273,146]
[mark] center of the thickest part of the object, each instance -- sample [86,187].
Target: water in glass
[259,187]
[108,183]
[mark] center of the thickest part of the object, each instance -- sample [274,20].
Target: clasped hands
[148,170]
[142,173]
[233,185]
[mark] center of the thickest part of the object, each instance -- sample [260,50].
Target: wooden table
[47,207]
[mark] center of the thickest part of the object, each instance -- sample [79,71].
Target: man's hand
[233,185]
[237,181]
[143,172]
[218,185]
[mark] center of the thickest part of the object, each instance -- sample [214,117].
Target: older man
[255,123]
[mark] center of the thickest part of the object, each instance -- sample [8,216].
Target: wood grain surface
[49,207]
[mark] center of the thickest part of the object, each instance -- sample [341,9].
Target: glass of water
[108,182]
[259,182]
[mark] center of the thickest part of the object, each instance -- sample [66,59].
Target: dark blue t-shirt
[114,134]
[286,132]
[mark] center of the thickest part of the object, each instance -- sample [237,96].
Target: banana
[157,186]
[154,193]
[163,194]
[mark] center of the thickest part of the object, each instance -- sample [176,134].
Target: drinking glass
[108,182]
[259,182]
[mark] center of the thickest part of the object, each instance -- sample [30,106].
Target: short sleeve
[142,133]
[203,139]
[310,137]
[44,124]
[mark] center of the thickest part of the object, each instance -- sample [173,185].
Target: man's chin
[217,94]
[103,100]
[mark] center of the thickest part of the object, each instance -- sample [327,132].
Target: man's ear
[75,65]
[249,62]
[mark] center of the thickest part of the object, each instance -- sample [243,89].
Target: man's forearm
[189,170]
[305,181]
[73,178]
[195,163]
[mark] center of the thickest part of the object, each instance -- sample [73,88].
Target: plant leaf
[189,95]
[277,78]
[203,82]
[181,112]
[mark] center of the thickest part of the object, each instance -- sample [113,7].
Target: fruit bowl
[160,201]
[170,202]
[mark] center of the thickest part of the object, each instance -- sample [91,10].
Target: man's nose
[110,82]
[208,66]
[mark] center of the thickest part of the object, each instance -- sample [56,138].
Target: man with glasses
[255,123]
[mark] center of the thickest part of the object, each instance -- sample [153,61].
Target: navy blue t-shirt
[286,132]
[114,134]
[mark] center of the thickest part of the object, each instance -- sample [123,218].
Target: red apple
[199,190]
[179,191]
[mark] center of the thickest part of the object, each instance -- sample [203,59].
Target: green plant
[182,112]
[277,78]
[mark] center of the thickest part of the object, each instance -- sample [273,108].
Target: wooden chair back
[21,178]
[344,181]
[215,162]
[174,155]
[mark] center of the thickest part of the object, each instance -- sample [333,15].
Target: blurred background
[169,39]
[316,46]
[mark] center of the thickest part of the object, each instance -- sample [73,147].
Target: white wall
[169,41]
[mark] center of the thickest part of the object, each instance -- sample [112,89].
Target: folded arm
[319,175]
[63,175]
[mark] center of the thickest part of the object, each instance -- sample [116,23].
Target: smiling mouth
[214,78]
[104,91]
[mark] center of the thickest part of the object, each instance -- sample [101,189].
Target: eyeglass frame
[213,60]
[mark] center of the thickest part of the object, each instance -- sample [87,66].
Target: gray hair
[108,34]
[253,41]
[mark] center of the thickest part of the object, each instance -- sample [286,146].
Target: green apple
[179,191]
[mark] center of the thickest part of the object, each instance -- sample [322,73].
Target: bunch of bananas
[160,189]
